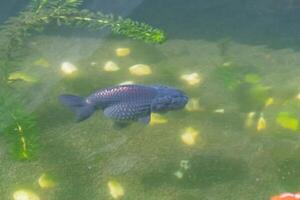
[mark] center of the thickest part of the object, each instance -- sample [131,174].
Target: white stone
[68,68]
[111,66]
[140,70]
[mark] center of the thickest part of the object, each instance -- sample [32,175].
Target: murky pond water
[237,138]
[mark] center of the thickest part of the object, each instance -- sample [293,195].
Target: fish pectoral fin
[128,111]
[145,119]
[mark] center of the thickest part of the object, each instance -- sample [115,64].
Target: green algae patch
[287,120]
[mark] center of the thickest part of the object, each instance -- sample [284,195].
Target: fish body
[126,103]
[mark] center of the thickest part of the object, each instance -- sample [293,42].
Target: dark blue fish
[126,103]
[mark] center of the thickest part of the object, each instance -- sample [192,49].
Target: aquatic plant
[245,84]
[19,127]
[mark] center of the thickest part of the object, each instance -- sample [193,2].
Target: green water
[223,42]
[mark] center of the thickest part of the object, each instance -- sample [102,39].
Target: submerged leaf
[21,76]
[287,120]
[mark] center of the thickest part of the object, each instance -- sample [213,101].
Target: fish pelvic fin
[82,109]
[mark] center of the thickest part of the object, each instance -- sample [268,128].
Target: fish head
[168,98]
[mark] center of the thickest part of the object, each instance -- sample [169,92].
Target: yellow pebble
[269,101]
[140,70]
[192,79]
[261,123]
[157,119]
[250,119]
[121,52]
[116,189]
[189,136]
[25,195]
[193,105]
[68,68]
[111,66]
[45,181]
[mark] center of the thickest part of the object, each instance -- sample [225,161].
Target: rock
[121,52]
[68,68]
[140,70]
[111,66]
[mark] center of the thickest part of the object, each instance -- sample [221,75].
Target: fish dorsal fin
[128,112]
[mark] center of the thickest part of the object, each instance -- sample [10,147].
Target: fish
[127,103]
[286,196]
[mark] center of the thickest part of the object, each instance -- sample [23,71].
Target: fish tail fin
[78,104]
